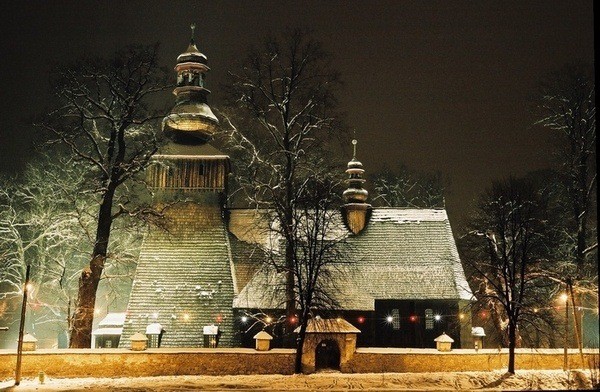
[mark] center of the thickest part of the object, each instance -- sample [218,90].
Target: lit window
[429,319]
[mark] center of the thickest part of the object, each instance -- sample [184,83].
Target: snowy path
[334,381]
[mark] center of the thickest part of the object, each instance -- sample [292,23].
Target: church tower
[184,283]
[356,211]
[191,121]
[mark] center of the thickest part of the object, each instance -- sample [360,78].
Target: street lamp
[26,288]
[565,297]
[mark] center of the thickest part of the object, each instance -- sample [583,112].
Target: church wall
[376,331]
[414,324]
[162,362]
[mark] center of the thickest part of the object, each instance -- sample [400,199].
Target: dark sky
[438,85]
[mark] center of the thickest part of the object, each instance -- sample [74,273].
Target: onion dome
[355,192]
[191,121]
[356,212]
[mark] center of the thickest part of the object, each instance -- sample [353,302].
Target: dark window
[395,319]
[428,319]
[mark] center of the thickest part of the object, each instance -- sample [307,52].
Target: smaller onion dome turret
[356,211]
[191,121]
[355,192]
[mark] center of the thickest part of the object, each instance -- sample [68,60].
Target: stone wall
[152,362]
[221,361]
[376,360]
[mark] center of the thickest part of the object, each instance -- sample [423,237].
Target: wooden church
[198,278]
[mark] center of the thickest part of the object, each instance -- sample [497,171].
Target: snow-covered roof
[408,215]
[107,331]
[113,319]
[154,329]
[183,277]
[337,325]
[402,254]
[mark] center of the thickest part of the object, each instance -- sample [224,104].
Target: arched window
[428,319]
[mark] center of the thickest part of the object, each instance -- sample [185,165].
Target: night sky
[437,85]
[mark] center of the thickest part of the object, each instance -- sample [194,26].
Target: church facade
[201,276]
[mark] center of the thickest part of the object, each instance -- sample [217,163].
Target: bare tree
[106,120]
[509,262]
[318,261]
[39,227]
[287,92]
[568,108]
[47,222]
[318,254]
[407,188]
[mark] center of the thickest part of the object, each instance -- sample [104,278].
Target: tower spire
[356,208]
[191,121]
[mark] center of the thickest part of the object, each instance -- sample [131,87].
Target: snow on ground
[496,380]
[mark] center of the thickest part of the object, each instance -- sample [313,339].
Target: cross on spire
[193,27]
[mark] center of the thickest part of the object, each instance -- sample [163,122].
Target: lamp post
[565,297]
[21,327]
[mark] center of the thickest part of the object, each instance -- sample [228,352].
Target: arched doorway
[327,355]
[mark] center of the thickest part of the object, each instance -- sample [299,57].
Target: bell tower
[356,211]
[183,281]
[188,163]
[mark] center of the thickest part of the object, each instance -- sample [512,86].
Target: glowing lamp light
[361,319]
[564,297]
[244,319]
[413,318]
[186,317]
[535,310]
[389,319]
[219,318]
[437,317]
[483,314]
[268,319]
[29,287]
[461,316]
[293,320]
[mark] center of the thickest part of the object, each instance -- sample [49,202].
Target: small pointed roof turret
[192,54]
[356,211]
[355,192]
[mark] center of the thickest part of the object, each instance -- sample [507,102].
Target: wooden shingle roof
[184,278]
[403,254]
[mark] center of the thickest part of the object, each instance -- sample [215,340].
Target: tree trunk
[290,304]
[512,340]
[83,318]
[300,343]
